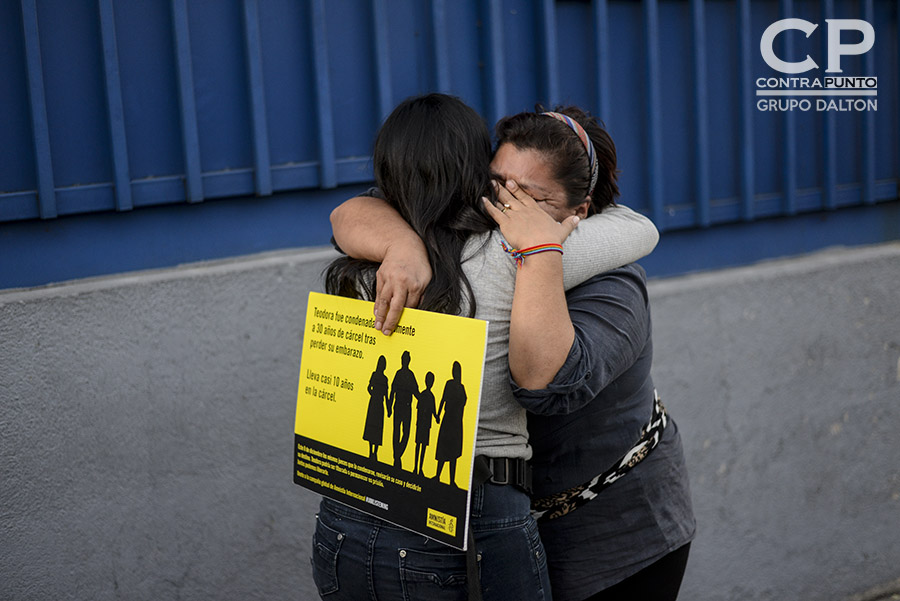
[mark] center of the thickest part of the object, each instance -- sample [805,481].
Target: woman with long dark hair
[431,164]
[432,167]
[610,484]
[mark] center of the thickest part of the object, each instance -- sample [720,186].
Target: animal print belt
[561,503]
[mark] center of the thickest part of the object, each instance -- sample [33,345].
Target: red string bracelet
[519,255]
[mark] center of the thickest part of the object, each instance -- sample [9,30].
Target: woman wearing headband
[431,161]
[610,485]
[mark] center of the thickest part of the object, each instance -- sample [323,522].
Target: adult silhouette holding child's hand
[450,437]
[403,387]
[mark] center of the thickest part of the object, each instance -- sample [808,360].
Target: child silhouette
[425,410]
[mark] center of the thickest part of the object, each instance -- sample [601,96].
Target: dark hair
[432,164]
[565,153]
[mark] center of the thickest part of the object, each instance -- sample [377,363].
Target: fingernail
[510,184]
[386,332]
[577,219]
[377,325]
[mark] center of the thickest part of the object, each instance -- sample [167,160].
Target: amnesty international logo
[441,521]
[832,92]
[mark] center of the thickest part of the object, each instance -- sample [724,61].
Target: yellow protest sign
[387,424]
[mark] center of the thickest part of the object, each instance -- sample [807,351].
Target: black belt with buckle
[505,470]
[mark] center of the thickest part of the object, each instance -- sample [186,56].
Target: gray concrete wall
[785,380]
[146,429]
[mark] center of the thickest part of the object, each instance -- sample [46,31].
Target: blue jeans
[358,557]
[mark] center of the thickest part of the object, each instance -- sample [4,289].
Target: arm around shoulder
[369,228]
[616,237]
[366,227]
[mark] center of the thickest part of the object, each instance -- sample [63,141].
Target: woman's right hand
[540,330]
[523,222]
[400,282]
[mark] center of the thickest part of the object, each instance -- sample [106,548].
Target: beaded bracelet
[519,255]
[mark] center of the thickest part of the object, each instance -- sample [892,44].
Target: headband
[588,145]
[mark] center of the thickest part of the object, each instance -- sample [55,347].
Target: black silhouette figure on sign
[378,399]
[403,387]
[450,437]
[425,411]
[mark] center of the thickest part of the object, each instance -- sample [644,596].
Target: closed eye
[502,181]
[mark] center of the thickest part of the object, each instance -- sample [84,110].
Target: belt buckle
[497,462]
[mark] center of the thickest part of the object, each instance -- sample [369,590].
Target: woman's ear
[582,210]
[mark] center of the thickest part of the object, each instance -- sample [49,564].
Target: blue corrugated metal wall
[109,108]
